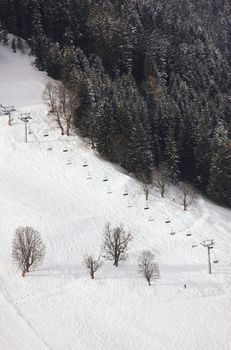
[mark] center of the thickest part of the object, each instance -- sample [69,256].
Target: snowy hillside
[58,306]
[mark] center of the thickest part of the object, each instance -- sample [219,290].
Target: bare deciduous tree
[188,196]
[160,178]
[61,104]
[148,267]
[146,188]
[28,250]
[92,264]
[115,243]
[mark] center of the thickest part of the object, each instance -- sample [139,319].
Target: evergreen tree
[219,185]
[171,156]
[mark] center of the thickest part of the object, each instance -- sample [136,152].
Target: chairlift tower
[25,117]
[209,244]
[7,111]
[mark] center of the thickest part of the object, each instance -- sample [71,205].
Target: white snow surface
[58,307]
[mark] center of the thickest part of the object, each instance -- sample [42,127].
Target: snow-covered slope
[58,307]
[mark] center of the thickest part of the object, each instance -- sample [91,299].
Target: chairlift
[146,207]
[30,132]
[49,148]
[151,218]
[172,233]
[105,179]
[45,135]
[167,221]
[194,245]
[215,260]
[85,164]
[188,234]
[69,162]
[109,191]
[65,150]
[89,177]
[125,193]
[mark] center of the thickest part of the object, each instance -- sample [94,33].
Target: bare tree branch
[148,267]
[188,196]
[92,264]
[28,250]
[115,243]
[161,178]
[61,103]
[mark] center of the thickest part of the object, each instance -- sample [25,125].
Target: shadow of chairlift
[49,148]
[194,245]
[109,191]
[172,233]
[151,218]
[89,177]
[69,162]
[215,261]
[130,205]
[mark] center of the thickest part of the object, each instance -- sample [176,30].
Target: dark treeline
[151,79]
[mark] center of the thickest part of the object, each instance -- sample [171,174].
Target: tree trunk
[68,128]
[149,281]
[92,275]
[116,261]
[60,125]
[146,193]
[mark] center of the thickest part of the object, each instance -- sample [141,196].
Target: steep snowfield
[58,307]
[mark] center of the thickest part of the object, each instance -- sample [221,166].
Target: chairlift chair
[49,148]
[65,150]
[151,218]
[105,179]
[69,162]
[125,193]
[109,191]
[130,205]
[167,221]
[85,164]
[194,245]
[89,177]
[188,234]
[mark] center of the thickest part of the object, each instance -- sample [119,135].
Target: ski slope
[58,307]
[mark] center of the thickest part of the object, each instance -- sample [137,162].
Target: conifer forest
[148,80]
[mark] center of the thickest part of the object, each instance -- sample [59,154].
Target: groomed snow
[58,306]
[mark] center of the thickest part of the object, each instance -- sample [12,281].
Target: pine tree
[102,124]
[171,156]
[219,185]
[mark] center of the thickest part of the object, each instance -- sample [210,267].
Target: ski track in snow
[58,307]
